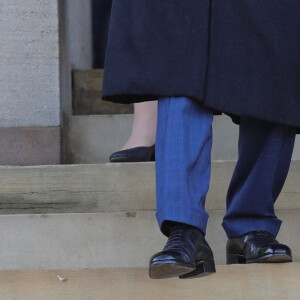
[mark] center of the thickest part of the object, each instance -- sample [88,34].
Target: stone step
[87,93]
[92,139]
[109,188]
[247,282]
[106,240]
[80,216]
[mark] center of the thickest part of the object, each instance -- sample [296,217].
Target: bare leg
[144,125]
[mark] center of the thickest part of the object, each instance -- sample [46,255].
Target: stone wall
[29,65]
[75,44]
[40,42]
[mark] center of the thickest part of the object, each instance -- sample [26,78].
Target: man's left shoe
[257,247]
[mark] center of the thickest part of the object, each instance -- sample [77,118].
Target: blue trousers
[183,167]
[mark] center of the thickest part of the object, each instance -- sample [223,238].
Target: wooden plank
[109,188]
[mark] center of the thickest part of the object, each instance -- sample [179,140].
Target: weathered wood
[109,188]
[247,282]
[87,95]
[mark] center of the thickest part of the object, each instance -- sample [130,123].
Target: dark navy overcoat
[240,57]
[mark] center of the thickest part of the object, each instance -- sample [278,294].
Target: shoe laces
[177,244]
[264,238]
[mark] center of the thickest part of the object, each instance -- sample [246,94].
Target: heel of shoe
[152,158]
[233,259]
[203,268]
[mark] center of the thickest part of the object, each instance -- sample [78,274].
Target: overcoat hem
[238,57]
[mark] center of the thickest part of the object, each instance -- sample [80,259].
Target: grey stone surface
[92,139]
[79,38]
[29,64]
[27,146]
[105,240]
[75,44]
[75,36]
[109,188]
[87,95]
[296,154]
[41,42]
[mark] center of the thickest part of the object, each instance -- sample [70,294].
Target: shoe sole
[271,258]
[170,269]
[164,270]
[203,268]
[277,258]
[127,160]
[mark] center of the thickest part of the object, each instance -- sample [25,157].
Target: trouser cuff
[238,227]
[193,217]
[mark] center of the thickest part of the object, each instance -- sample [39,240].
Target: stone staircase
[103,215]
[94,224]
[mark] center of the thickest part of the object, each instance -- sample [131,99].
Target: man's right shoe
[186,255]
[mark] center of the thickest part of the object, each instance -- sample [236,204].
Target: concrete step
[87,92]
[106,240]
[92,139]
[109,188]
[247,282]
[100,216]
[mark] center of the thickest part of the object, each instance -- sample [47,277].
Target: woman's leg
[144,125]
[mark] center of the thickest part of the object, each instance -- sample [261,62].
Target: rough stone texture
[251,282]
[27,146]
[29,63]
[41,42]
[87,95]
[109,188]
[105,240]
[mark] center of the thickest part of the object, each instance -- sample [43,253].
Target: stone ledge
[106,240]
[26,146]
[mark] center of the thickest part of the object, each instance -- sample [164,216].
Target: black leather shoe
[257,247]
[138,154]
[186,255]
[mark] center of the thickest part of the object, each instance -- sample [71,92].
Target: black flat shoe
[257,247]
[186,255]
[138,154]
